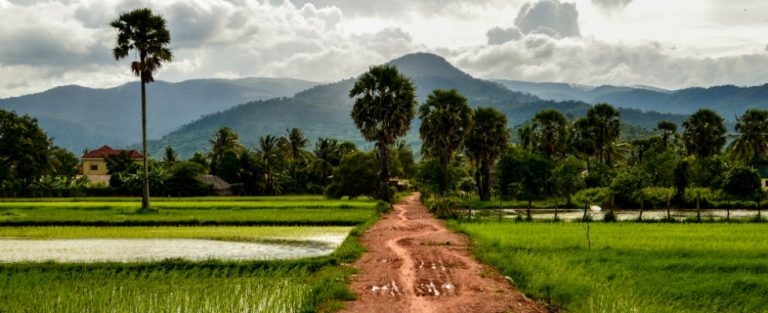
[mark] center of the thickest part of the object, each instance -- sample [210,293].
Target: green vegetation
[631,267]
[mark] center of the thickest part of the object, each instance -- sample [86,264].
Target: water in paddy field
[139,250]
[628,215]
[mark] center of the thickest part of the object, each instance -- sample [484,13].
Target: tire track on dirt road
[415,264]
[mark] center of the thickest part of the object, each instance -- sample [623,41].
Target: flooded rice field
[21,248]
[629,215]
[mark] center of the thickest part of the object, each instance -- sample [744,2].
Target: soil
[415,264]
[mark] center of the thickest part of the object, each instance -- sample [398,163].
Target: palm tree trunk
[384,174]
[145,189]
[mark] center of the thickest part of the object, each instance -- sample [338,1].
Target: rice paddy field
[315,235]
[631,267]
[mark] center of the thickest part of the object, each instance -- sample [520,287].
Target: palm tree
[752,141]
[327,157]
[293,146]
[485,142]
[385,103]
[170,157]
[270,155]
[225,140]
[598,131]
[704,134]
[668,130]
[445,118]
[145,32]
[549,132]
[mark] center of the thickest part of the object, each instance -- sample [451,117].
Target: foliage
[385,103]
[63,163]
[24,152]
[567,178]
[627,186]
[485,142]
[430,176]
[593,196]
[742,182]
[532,172]
[704,134]
[752,141]
[146,33]
[183,180]
[445,119]
[630,267]
[355,176]
[549,133]
[598,131]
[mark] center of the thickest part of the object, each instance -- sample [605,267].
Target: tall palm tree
[485,142]
[549,131]
[752,141]
[269,153]
[385,103]
[445,118]
[598,131]
[225,140]
[704,134]
[170,157]
[144,32]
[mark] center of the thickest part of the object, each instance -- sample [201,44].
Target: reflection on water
[136,250]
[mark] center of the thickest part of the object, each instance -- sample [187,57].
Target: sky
[661,43]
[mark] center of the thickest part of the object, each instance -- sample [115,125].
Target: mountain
[730,101]
[324,110]
[79,117]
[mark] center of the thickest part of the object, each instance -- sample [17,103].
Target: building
[94,162]
[218,185]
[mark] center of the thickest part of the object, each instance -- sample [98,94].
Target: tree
[445,119]
[119,163]
[528,170]
[549,133]
[567,178]
[170,157]
[485,141]
[225,140]
[201,159]
[355,176]
[145,32]
[270,156]
[704,134]
[63,163]
[752,141]
[741,182]
[183,180]
[24,152]
[293,146]
[385,103]
[598,131]
[668,130]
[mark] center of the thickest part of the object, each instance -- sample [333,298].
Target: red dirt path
[415,264]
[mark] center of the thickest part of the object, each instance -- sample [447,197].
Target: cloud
[549,17]
[498,35]
[538,57]
[69,42]
[611,4]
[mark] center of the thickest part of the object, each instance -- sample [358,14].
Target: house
[94,162]
[762,168]
[220,187]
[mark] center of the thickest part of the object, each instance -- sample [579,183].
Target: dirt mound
[415,264]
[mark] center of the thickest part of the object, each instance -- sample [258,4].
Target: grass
[305,285]
[631,267]
[184,199]
[291,210]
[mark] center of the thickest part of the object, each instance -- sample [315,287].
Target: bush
[592,196]
[356,175]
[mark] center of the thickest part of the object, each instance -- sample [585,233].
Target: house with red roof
[94,162]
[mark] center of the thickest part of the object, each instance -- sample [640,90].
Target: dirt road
[415,264]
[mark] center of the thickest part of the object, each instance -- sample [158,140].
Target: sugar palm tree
[225,140]
[144,32]
[485,142]
[549,132]
[752,141]
[445,118]
[704,133]
[385,103]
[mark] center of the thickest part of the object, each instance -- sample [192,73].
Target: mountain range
[79,117]
[728,100]
[187,114]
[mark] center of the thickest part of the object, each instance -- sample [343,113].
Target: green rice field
[176,285]
[631,267]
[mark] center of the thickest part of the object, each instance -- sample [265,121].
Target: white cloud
[550,17]
[611,4]
[498,35]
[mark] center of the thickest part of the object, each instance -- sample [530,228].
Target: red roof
[106,151]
